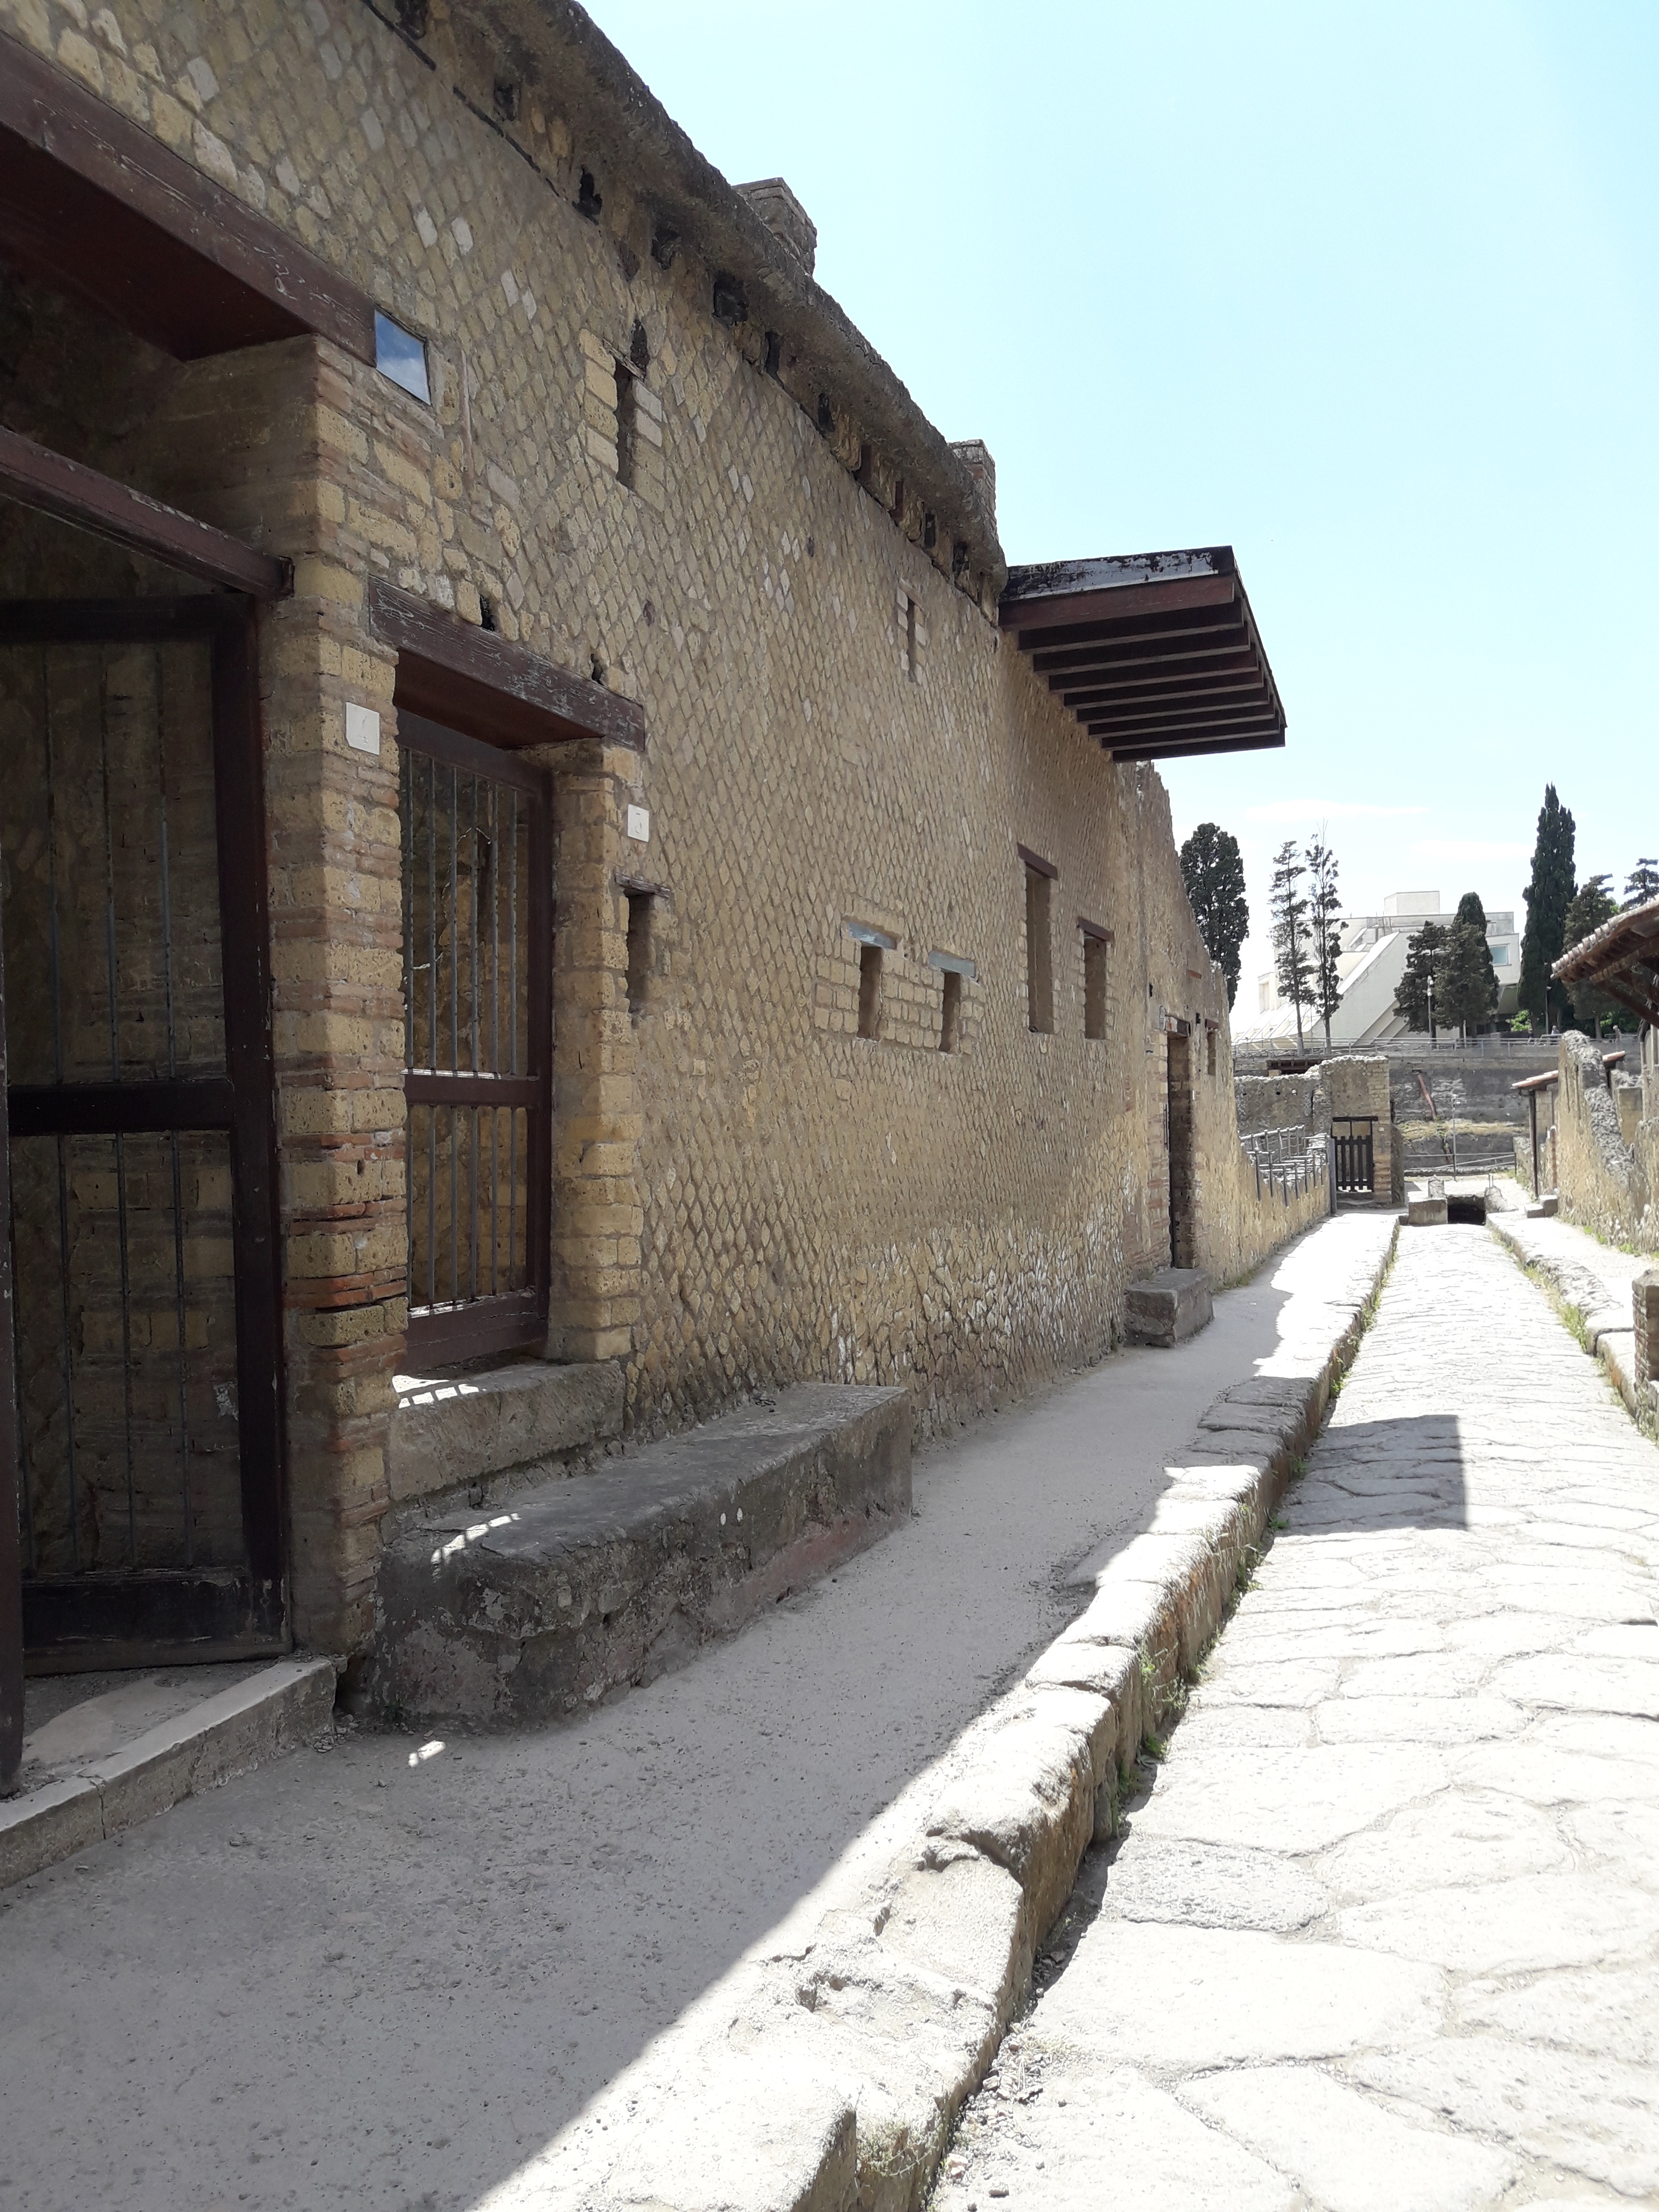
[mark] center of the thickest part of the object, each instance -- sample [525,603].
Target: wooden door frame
[194,1615]
[11,1563]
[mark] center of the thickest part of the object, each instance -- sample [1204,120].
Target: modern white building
[1373,960]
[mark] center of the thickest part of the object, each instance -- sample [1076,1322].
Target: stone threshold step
[585,1587]
[83,1800]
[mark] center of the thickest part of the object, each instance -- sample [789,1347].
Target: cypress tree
[1412,1000]
[1466,987]
[1548,896]
[1324,908]
[1291,960]
[1212,869]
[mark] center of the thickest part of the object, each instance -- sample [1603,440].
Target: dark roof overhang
[1156,654]
[1622,960]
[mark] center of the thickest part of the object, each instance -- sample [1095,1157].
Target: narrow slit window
[640,904]
[950,1019]
[911,667]
[628,427]
[869,990]
[1039,959]
[1209,1047]
[1094,987]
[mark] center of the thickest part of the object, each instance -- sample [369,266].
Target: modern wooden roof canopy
[1621,959]
[1156,654]
[91,203]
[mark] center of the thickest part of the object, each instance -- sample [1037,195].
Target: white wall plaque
[639,824]
[363,730]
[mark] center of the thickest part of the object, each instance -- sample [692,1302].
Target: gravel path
[1385,1932]
[372,1978]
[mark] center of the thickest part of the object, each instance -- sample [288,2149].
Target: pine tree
[1548,896]
[1466,987]
[1291,962]
[1593,903]
[1325,936]
[1414,995]
[1212,869]
[1643,883]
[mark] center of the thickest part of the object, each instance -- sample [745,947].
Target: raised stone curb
[285,1704]
[1609,1327]
[825,2072]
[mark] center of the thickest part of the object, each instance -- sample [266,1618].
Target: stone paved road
[1385,1933]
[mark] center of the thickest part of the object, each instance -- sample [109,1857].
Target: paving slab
[1386,1919]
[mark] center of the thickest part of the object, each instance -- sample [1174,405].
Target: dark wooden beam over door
[92,205]
[463,677]
[52,484]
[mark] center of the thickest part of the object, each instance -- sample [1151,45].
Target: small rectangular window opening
[1094,987]
[950,1019]
[911,666]
[628,432]
[400,355]
[1039,961]
[639,950]
[869,990]
[1209,1046]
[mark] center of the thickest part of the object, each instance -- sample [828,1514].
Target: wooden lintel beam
[52,484]
[487,686]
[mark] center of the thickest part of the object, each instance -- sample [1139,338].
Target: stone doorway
[1183,1240]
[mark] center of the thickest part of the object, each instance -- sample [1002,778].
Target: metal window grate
[476,1044]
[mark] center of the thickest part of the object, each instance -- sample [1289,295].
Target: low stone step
[587,1586]
[1167,1306]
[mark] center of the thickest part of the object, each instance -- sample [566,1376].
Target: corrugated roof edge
[1046,579]
[622,119]
[1628,934]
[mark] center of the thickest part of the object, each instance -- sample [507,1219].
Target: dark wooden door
[141,1141]
[1356,1157]
[11,1595]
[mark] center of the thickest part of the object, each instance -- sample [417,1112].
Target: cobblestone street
[1385,1931]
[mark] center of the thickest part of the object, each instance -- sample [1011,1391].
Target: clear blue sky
[1367,293]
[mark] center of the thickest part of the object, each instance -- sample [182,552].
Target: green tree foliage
[1593,903]
[1292,956]
[1413,999]
[1466,989]
[1213,869]
[1548,896]
[1324,908]
[1643,884]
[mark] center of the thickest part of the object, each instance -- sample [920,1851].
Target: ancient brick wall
[765,1166]
[1605,1184]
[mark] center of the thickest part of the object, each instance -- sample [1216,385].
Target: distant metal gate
[141,1214]
[1356,1157]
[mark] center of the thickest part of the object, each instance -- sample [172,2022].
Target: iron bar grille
[477,1043]
[123,1234]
